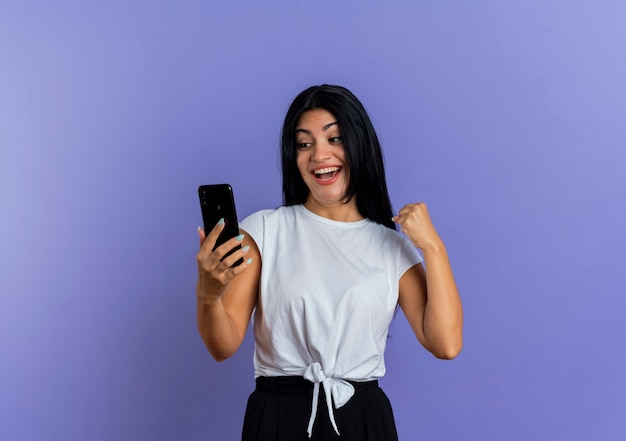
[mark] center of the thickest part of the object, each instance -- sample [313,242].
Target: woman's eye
[303,145]
[335,139]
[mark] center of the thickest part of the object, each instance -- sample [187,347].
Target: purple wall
[507,118]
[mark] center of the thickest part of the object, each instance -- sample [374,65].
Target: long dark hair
[363,153]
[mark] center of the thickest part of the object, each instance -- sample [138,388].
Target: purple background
[507,118]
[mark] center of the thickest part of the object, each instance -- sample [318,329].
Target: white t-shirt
[328,292]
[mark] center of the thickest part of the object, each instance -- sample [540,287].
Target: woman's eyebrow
[326,127]
[329,125]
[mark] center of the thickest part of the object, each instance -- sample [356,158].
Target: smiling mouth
[326,173]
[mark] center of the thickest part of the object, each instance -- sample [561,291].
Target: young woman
[323,275]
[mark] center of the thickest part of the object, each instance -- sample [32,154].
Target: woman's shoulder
[269,216]
[259,214]
[271,212]
[390,237]
[267,223]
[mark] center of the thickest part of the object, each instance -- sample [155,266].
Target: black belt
[300,386]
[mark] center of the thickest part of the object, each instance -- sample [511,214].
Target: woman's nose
[320,153]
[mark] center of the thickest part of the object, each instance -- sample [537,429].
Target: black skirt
[280,407]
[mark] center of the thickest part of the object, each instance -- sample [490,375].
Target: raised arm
[429,297]
[226,297]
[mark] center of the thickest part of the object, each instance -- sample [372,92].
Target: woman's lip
[326,166]
[326,181]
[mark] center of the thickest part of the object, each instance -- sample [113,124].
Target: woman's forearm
[217,329]
[443,314]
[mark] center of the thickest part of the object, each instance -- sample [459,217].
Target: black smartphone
[217,202]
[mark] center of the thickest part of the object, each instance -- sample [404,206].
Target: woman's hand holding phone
[215,271]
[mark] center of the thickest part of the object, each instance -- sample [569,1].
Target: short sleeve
[254,225]
[407,255]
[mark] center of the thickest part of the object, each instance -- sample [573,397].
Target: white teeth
[322,171]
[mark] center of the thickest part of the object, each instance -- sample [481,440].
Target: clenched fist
[415,222]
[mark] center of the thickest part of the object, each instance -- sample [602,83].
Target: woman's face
[321,158]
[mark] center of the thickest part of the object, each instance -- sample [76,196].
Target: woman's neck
[337,211]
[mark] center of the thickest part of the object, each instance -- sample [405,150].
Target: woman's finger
[235,256]
[209,242]
[227,246]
